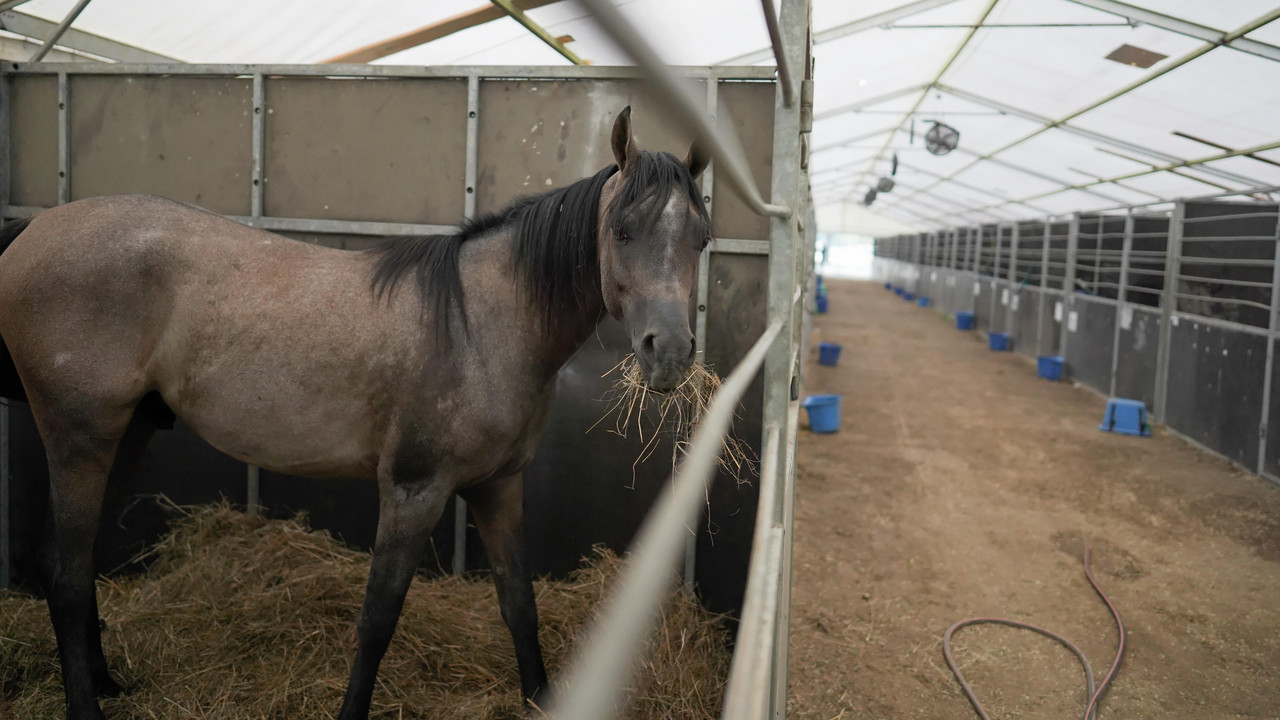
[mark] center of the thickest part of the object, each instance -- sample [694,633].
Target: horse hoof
[109,688]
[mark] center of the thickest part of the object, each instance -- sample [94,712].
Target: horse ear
[624,146]
[697,160]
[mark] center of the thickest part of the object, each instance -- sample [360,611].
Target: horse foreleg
[498,506]
[406,515]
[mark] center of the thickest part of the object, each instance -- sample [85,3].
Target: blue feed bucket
[888,286]
[908,296]
[998,341]
[964,320]
[828,353]
[822,304]
[898,291]
[824,413]
[1049,367]
[923,302]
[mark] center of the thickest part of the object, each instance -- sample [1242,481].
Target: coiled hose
[1094,693]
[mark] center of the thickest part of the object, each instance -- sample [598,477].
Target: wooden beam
[434,31]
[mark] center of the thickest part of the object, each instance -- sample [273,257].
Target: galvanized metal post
[1122,299]
[1168,308]
[1069,282]
[995,280]
[1272,338]
[786,188]
[1013,281]
[1044,284]
[5,574]
[704,297]
[6,93]
[64,141]
[459,560]
[253,490]
[253,475]
[259,132]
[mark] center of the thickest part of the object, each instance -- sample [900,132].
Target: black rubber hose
[1094,693]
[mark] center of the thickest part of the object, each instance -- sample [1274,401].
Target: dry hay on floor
[241,617]
[678,411]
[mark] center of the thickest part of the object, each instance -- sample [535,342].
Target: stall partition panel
[1218,345]
[1025,300]
[1091,315]
[1216,378]
[1138,339]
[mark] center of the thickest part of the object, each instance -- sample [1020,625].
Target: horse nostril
[646,345]
[693,348]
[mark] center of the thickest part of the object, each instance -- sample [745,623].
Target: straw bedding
[241,617]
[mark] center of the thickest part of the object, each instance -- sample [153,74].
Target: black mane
[556,242]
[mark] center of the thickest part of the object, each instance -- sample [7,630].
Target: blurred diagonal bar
[677,98]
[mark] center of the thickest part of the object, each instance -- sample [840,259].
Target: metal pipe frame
[358,70]
[30,26]
[1183,27]
[58,31]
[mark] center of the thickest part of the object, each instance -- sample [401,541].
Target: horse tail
[10,384]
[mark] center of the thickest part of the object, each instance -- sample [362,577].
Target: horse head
[654,226]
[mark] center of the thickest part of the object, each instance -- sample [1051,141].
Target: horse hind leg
[498,508]
[81,453]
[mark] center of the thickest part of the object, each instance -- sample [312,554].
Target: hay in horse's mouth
[678,412]
[242,617]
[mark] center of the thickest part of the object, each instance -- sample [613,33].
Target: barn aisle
[962,485]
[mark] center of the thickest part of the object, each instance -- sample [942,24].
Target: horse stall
[1174,305]
[345,155]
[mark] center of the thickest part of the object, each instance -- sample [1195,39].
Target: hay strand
[240,617]
[678,412]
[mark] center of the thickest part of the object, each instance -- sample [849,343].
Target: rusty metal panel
[534,135]
[352,149]
[184,138]
[33,138]
[751,105]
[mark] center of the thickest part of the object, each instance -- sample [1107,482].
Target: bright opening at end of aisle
[845,255]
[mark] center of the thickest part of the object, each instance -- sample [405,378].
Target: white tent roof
[1047,123]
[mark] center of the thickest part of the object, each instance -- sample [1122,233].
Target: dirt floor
[962,485]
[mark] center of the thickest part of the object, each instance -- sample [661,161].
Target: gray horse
[426,365]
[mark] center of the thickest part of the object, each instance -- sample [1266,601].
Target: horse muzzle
[665,359]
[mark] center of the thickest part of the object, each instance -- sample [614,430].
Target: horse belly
[317,438]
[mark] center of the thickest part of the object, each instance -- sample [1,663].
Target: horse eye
[621,236]
[705,242]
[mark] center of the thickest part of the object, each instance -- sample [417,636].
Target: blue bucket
[898,291]
[888,286]
[828,353]
[824,413]
[998,341]
[964,320]
[908,296]
[822,304]
[1049,367]
[923,302]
